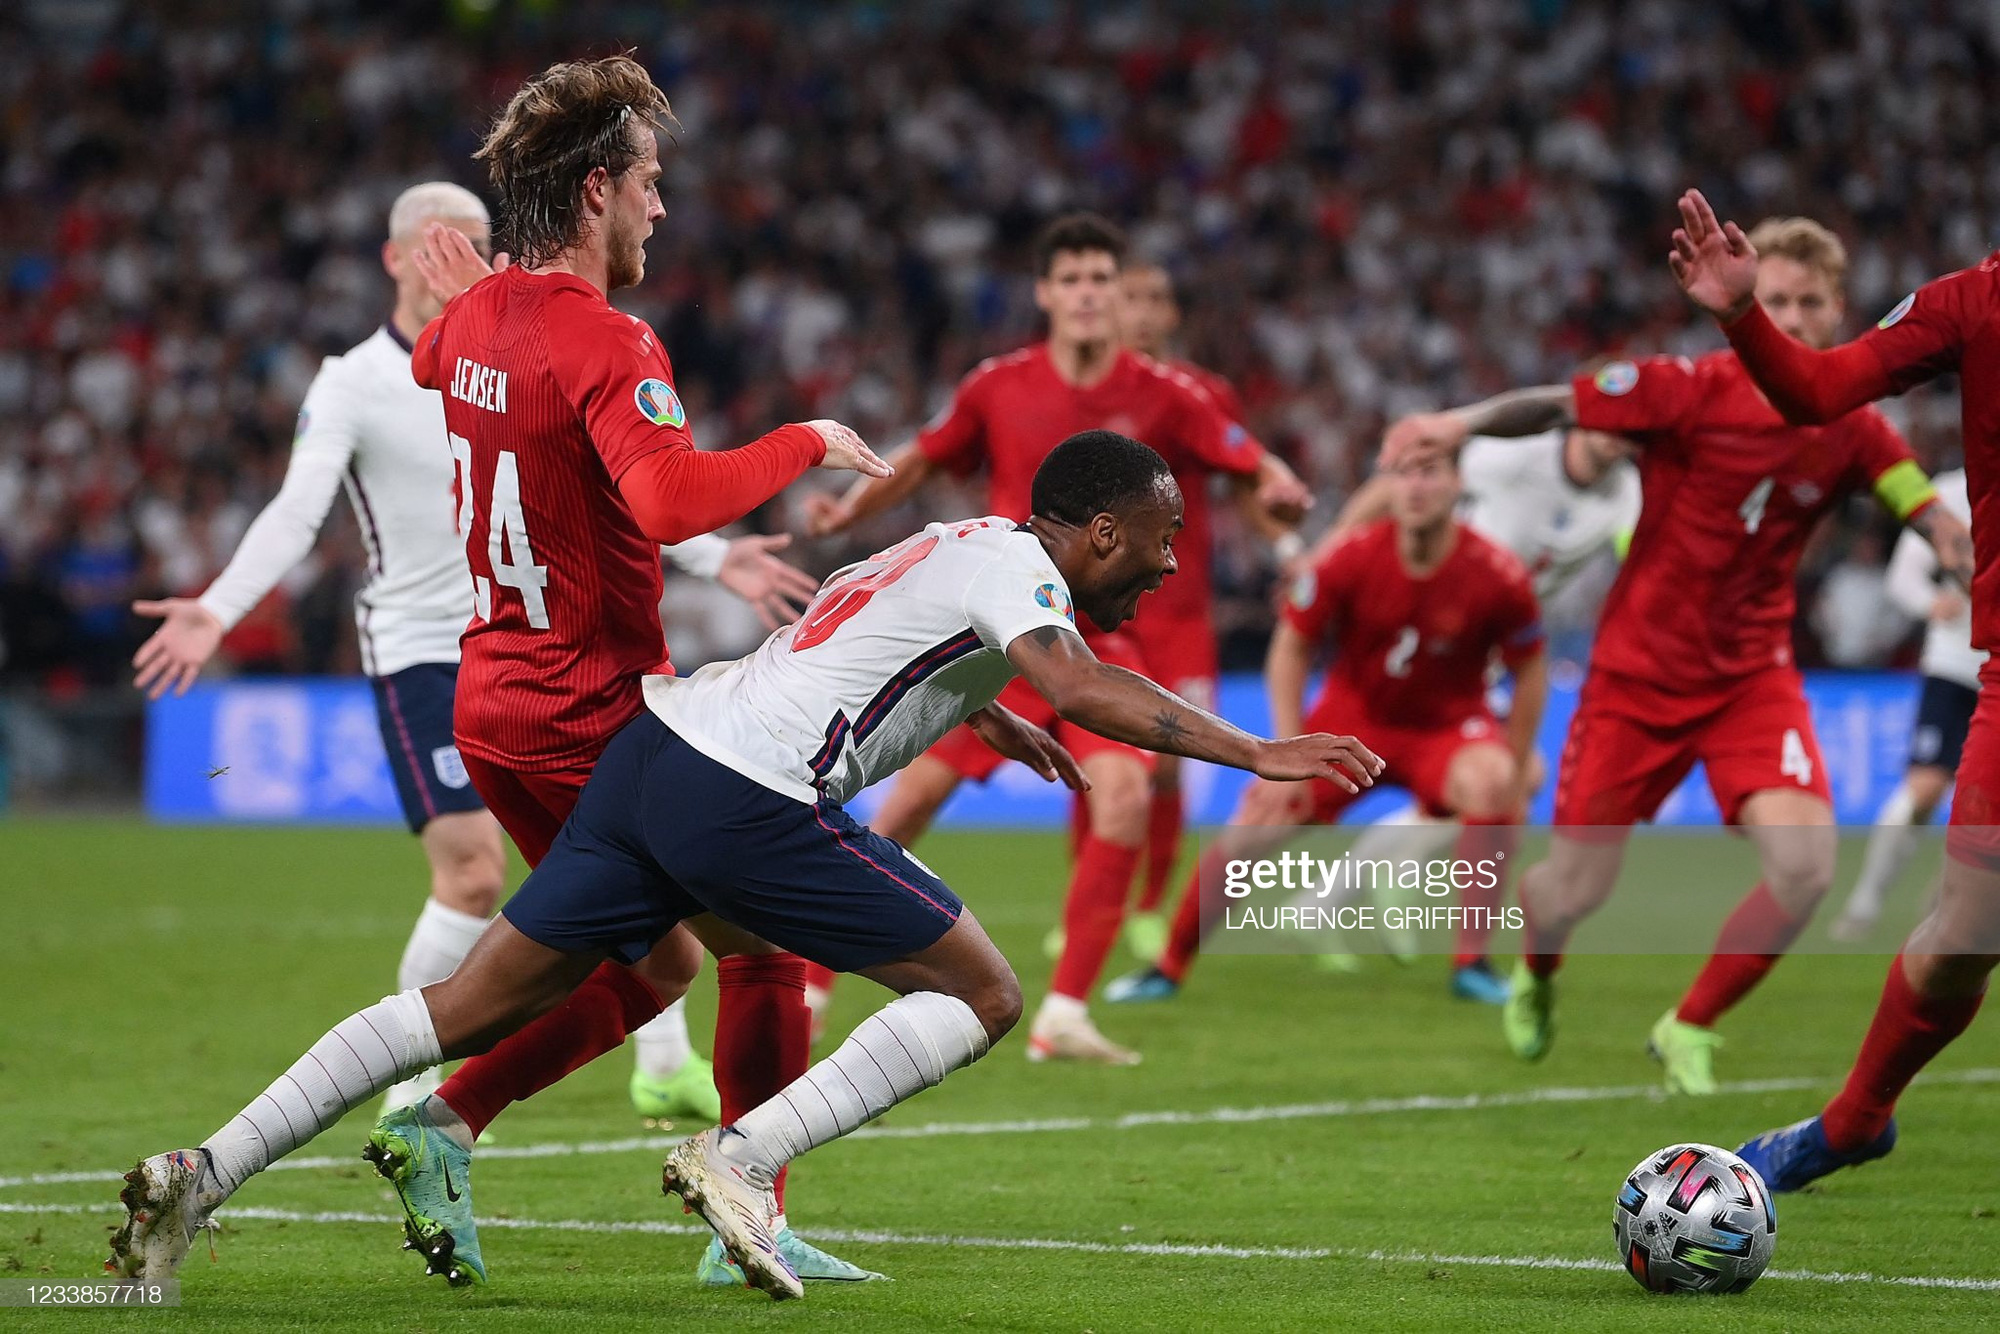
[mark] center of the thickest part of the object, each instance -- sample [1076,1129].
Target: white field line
[1303,1111]
[841,1236]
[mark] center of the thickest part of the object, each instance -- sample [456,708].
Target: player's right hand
[174,655]
[825,515]
[449,263]
[847,452]
[1713,261]
[1341,760]
[1013,736]
[1948,605]
[1421,437]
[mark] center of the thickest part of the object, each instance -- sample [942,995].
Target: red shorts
[1417,758]
[1631,743]
[531,807]
[1180,655]
[1974,835]
[966,755]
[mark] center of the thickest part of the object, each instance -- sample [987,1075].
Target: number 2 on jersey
[507,551]
[837,605]
[1397,664]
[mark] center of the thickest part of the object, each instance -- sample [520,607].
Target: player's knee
[1799,869]
[1927,784]
[997,1002]
[1120,798]
[1482,783]
[672,966]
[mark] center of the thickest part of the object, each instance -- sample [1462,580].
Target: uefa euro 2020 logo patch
[1617,379]
[659,404]
[1056,600]
[1901,309]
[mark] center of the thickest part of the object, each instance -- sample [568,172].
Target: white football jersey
[1913,584]
[1518,493]
[894,652]
[367,426]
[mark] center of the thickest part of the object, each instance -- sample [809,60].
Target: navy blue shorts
[1944,712]
[662,833]
[414,708]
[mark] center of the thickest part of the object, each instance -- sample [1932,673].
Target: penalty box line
[1070,1245]
[1305,1111]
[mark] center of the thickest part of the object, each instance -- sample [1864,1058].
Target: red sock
[1093,913]
[1487,846]
[1541,949]
[1754,938]
[610,1003]
[819,976]
[1079,824]
[763,1032]
[1191,922]
[1163,845]
[1909,1028]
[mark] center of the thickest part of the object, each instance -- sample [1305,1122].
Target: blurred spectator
[1368,208]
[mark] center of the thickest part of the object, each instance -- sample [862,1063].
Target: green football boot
[689,1092]
[1528,1017]
[1688,1053]
[1145,935]
[433,1180]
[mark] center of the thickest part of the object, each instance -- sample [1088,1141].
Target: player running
[1176,631]
[1558,501]
[574,463]
[1950,668]
[1416,607]
[722,802]
[1693,654]
[367,426]
[1935,985]
[1005,417]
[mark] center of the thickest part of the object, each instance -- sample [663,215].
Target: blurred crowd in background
[1368,208]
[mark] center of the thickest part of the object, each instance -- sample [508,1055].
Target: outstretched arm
[681,492]
[1716,266]
[1518,412]
[1950,539]
[1125,706]
[826,515]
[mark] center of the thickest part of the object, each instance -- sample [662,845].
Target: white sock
[438,942]
[1057,1008]
[663,1042]
[907,1046]
[361,1055]
[1890,848]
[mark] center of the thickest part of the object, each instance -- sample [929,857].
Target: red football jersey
[1416,650]
[1730,493]
[1953,324]
[550,394]
[1012,410]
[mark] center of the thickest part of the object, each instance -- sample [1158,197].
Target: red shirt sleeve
[1519,618]
[682,492]
[1209,433]
[614,372]
[955,439]
[1651,396]
[1925,333]
[424,356]
[1315,601]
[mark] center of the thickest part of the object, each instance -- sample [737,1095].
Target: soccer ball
[1694,1218]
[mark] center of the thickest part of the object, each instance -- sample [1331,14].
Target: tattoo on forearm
[1168,727]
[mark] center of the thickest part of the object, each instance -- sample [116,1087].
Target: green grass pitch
[155,979]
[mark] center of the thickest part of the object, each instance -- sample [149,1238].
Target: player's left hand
[449,263]
[1284,497]
[1420,437]
[1009,734]
[777,592]
[1713,261]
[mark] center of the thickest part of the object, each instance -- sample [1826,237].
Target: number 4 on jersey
[1793,761]
[507,551]
[1751,511]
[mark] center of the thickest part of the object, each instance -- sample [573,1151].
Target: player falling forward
[1558,501]
[574,465]
[1936,983]
[1950,668]
[722,803]
[367,425]
[1693,653]
[1416,606]
[1006,416]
